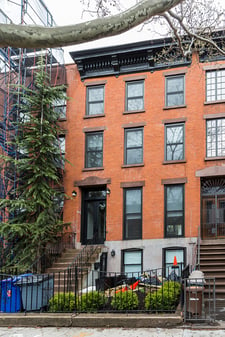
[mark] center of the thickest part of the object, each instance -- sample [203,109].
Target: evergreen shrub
[62,302]
[127,300]
[91,301]
[164,299]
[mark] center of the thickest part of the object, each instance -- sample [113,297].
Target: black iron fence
[80,290]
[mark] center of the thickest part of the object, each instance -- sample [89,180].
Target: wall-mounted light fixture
[113,253]
[74,193]
[108,191]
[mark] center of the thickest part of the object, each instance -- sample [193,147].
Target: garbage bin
[194,293]
[194,300]
[36,290]
[10,296]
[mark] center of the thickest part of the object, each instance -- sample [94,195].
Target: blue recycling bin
[10,296]
[36,290]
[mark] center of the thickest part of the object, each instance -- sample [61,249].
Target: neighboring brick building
[146,146]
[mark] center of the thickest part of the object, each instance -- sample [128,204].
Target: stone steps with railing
[212,263]
[73,266]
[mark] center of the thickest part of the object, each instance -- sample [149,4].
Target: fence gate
[199,300]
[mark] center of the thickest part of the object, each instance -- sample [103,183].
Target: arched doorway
[213,207]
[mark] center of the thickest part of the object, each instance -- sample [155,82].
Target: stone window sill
[132,165]
[93,169]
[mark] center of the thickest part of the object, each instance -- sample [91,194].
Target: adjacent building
[17,68]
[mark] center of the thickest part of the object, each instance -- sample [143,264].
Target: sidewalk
[113,332]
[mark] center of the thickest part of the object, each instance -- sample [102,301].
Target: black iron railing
[81,290]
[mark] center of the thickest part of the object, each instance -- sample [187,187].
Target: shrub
[165,299]
[173,287]
[64,302]
[127,300]
[91,301]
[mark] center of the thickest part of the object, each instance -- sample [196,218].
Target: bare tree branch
[26,36]
[179,40]
[193,34]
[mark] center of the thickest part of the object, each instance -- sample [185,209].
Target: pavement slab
[115,332]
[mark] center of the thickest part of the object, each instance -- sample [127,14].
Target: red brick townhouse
[146,146]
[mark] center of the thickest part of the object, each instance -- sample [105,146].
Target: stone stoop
[212,264]
[64,277]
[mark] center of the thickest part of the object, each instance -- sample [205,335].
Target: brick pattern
[153,172]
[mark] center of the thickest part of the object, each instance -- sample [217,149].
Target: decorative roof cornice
[123,59]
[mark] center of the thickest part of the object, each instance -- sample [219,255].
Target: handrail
[83,256]
[198,247]
[196,252]
[52,253]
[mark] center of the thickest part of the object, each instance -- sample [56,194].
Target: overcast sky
[71,12]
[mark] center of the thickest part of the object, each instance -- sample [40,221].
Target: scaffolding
[16,67]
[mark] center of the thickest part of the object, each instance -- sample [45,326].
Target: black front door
[93,216]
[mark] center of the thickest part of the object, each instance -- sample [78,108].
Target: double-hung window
[169,254]
[174,139]
[132,213]
[174,210]
[134,95]
[132,262]
[133,150]
[94,149]
[60,106]
[215,85]
[95,100]
[215,138]
[175,90]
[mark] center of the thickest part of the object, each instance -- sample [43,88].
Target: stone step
[214,252]
[212,245]
[60,271]
[212,265]
[220,303]
[64,278]
[208,257]
[62,264]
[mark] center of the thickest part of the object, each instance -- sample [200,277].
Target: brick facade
[154,173]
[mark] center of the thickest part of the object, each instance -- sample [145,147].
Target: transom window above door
[95,100]
[134,96]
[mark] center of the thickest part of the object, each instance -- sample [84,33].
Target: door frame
[97,200]
[212,189]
